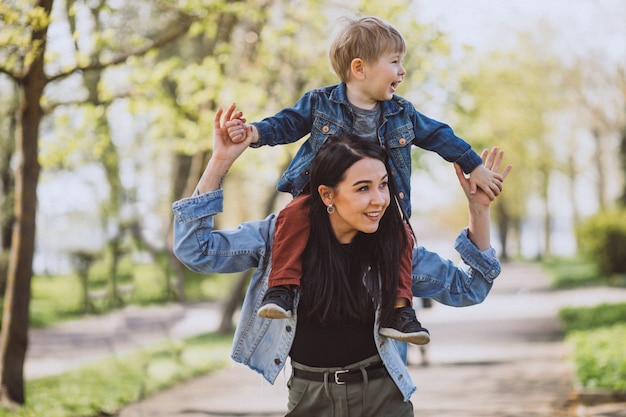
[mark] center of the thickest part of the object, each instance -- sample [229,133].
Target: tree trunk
[622,154]
[503,231]
[7,202]
[232,303]
[547,217]
[14,336]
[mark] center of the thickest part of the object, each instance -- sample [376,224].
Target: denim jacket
[326,111]
[263,344]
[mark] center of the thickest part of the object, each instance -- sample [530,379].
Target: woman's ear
[357,68]
[326,194]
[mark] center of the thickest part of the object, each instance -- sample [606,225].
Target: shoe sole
[272,311]
[417,338]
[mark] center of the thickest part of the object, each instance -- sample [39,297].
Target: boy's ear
[326,194]
[357,68]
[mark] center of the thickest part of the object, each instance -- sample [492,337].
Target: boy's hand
[484,178]
[238,130]
[492,161]
[224,148]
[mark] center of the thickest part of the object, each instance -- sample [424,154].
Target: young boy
[367,57]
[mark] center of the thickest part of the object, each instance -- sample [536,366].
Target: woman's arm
[225,152]
[479,202]
[196,244]
[437,278]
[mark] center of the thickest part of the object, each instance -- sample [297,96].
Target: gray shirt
[366,122]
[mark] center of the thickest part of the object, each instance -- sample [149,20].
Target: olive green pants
[379,397]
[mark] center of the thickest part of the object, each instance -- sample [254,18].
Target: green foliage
[600,357]
[573,272]
[591,318]
[19,20]
[602,237]
[597,336]
[59,298]
[105,387]
[54,299]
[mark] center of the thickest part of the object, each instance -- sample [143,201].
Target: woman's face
[360,200]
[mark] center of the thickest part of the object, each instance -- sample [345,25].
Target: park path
[502,358]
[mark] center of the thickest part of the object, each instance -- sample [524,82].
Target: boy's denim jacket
[263,344]
[326,111]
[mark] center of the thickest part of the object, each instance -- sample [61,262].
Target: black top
[327,346]
[335,343]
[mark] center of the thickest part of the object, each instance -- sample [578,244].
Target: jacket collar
[340,95]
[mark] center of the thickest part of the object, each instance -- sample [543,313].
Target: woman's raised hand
[492,160]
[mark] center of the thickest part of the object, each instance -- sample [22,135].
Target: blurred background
[106,110]
[131,91]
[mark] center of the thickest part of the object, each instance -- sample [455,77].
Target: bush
[600,357]
[597,336]
[591,318]
[603,238]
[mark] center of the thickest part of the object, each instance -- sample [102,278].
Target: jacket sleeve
[438,137]
[288,125]
[202,249]
[458,286]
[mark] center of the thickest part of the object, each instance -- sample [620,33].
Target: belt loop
[327,391]
[365,377]
[327,386]
[364,388]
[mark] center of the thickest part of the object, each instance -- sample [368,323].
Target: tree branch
[52,106]
[174,33]
[13,76]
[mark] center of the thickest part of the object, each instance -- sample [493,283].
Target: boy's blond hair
[367,38]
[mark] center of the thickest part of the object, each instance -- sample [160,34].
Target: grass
[58,298]
[106,386]
[579,272]
[573,273]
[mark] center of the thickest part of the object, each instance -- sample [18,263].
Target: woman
[349,279]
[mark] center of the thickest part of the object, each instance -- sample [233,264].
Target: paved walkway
[503,358]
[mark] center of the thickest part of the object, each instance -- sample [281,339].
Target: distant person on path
[350,272]
[367,56]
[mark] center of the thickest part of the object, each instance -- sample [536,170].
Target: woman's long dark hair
[332,289]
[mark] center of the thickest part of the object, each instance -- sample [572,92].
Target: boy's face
[383,76]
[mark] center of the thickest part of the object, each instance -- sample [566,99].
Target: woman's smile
[360,199]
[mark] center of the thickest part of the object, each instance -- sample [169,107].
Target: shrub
[603,238]
[591,318]
[600,357]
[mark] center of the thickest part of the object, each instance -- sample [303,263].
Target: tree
[8,123]
[28,74]
[23,54]
[509,101]
[601,94]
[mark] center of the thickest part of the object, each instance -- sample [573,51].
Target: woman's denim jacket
[263,344]
[326,111]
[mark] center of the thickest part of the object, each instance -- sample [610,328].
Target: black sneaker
[277,303]
[406,328]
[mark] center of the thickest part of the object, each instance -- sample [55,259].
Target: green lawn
[105,387]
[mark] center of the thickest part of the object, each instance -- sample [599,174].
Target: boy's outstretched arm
[238,130]
[485,179]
